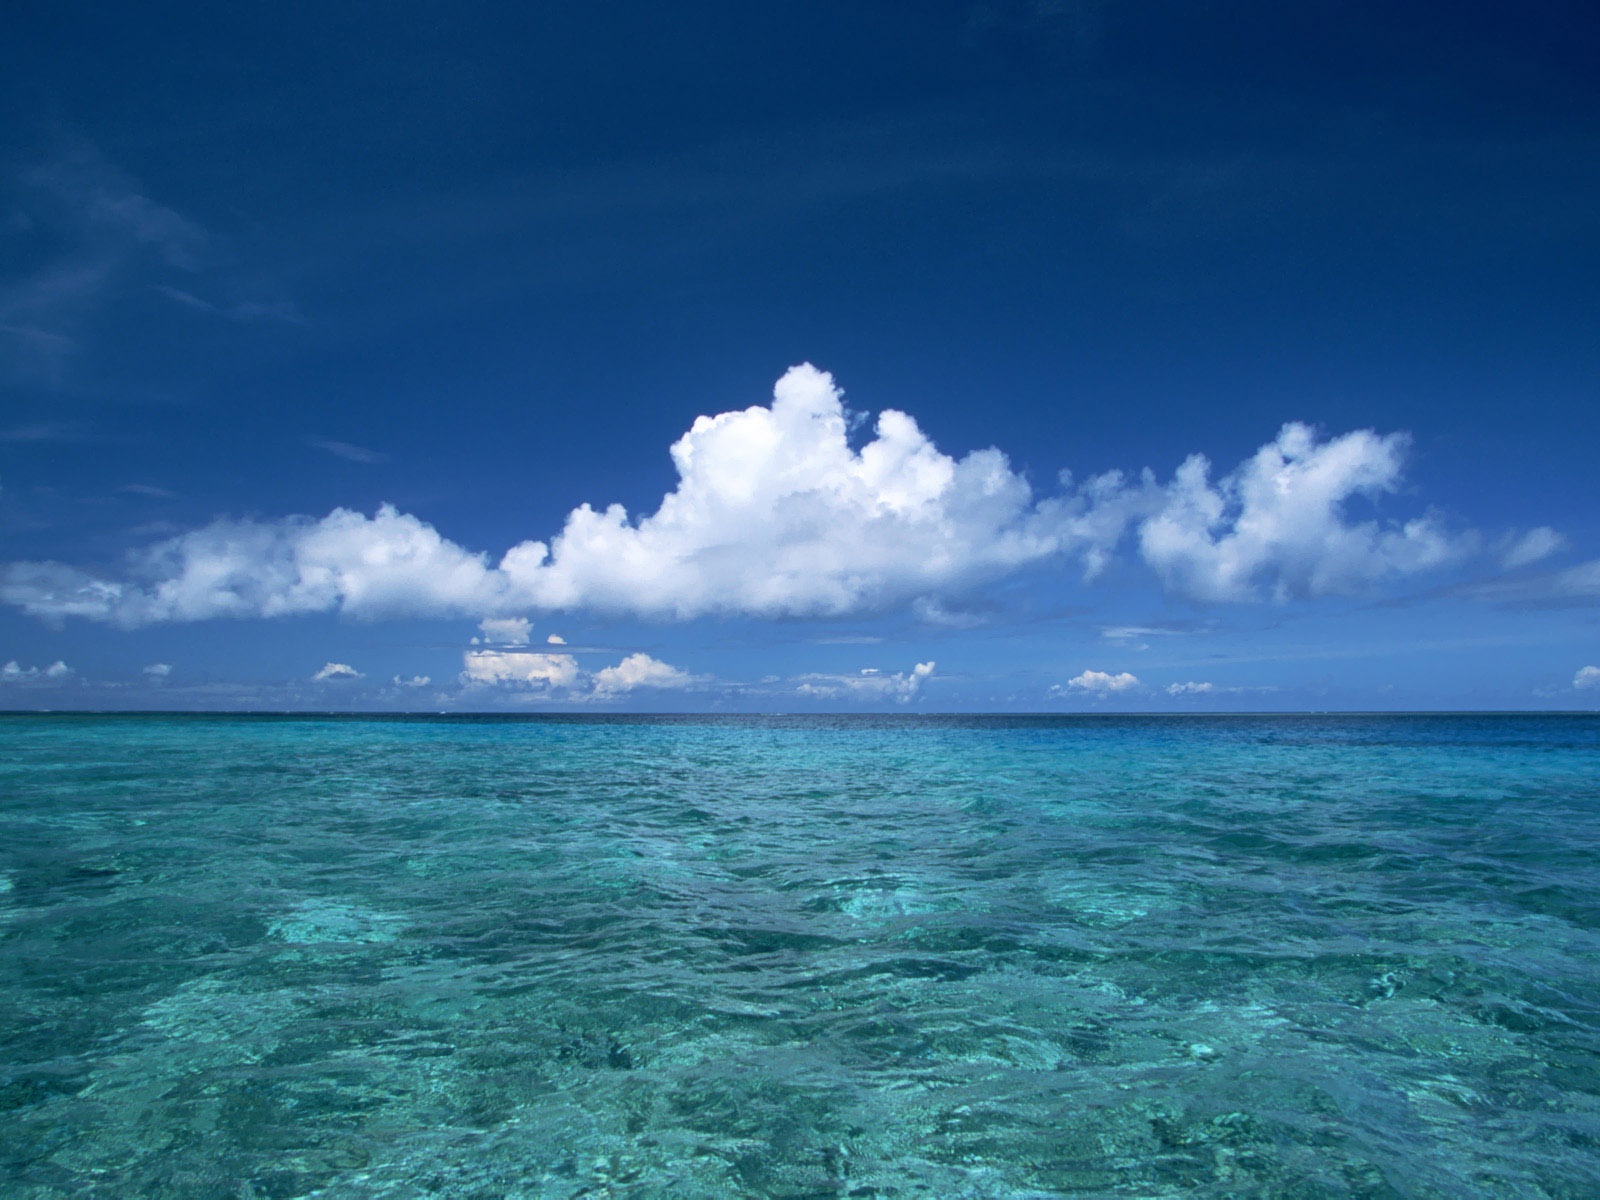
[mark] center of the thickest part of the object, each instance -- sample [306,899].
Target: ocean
[945,957]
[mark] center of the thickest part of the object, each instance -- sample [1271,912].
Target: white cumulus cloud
[506,631]
[414,681]
[1189,689]
[775,514]
[637,671]
[333,670]
[157,672]
[1587,677]
[558,676]
[390,564]
[488,667]
[14,672]
[1103,682]
[1276,524]
[869,683]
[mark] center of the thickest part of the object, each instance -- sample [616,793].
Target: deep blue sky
[485,266]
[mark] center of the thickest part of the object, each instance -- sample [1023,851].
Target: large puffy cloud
[775,514]
[1277,523]
[1587,677]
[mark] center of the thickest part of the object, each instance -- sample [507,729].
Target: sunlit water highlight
[811,957]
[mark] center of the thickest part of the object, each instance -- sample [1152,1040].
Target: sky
[1040,356]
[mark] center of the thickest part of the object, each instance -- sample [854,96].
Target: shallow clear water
[810,957]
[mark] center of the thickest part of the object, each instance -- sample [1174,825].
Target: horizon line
[645,713]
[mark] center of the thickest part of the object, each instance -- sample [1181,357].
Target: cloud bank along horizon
[776,515]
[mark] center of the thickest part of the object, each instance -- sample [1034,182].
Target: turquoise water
[810,957]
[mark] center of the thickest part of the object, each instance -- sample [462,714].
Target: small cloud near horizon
[14,672]
[870,683]
[559,677]
[1101,683]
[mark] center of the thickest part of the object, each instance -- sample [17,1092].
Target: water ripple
[1000,957]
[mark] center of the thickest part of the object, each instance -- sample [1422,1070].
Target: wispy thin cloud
[45,431]
[1533,546]
[88,191]
[30,339]
[96,229]
[265,310]
[145,489]
[347,451]
[930,610]
[1575,587]
[1131,633]
[187,299]
[95,236]
[243,310]
[334,671]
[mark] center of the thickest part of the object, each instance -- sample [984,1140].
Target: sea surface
[800,957]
